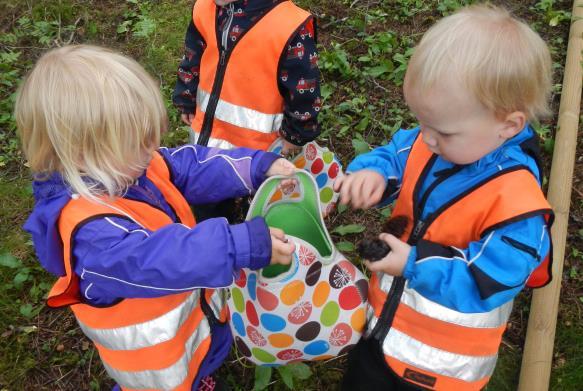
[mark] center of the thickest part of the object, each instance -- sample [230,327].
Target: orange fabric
[453,338]
[124,314]
[250,78]
[445,383]
[159,174]
[376,296]
[499,194]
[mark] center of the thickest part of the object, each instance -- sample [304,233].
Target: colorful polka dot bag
[323,165]
[313,309]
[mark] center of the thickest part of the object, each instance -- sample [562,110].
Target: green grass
[364,48]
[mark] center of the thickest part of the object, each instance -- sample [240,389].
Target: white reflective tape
[371,321]
[218,302]
[240,116]
[167,378]
[458,366]
[385,281]
[145,334]
[492,319]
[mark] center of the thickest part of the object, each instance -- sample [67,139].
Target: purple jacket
[117,259]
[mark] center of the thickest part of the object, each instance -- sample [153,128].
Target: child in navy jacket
[296,80]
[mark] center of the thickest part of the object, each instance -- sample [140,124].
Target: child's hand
[281,167]
[287,168]
[281,248]
[395,261]
[361,189]
[187,118]
[288,148]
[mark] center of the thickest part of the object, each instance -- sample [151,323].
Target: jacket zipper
[225,52]
[419,228]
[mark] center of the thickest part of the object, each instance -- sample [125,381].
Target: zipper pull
[222,60]
[417,230]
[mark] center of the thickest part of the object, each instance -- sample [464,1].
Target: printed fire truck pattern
[298,74]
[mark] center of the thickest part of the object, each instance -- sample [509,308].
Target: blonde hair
[501,60]
[93,115]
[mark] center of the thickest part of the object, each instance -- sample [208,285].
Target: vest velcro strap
[447,336]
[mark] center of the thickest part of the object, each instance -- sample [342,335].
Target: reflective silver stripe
[167,378]
[240,116]
[371,320]
[218,302]
[413,352]
[495,318]
[149,333]
[385,281]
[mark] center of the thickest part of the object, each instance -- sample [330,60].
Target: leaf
[21,278]
[9,260]
[26,310]
[287,376]
[345,246]
[348,229]
[262,377]
[341,208]
[144,27]
[360,146]
[300,370]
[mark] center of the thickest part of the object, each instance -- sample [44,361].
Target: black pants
[367,370]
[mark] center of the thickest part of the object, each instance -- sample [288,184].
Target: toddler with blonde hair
[112,218]
[468,182]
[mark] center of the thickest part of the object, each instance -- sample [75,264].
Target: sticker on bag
[323,165]
[312,309]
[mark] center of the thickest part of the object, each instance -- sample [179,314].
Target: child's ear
[512,124]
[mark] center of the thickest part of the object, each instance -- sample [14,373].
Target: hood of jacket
[51,194]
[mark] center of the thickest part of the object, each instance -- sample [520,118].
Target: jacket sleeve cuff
[253,243]
[260,165]
[409,270]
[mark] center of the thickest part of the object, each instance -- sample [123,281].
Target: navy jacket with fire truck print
[298,68]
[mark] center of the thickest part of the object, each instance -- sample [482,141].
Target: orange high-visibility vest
[238,96]
[423,342]
[155,343]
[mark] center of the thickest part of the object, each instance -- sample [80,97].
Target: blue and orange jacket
[116,258]
[478,232]
[281,70]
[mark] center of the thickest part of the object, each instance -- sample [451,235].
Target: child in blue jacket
[468,181]
[112,218]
